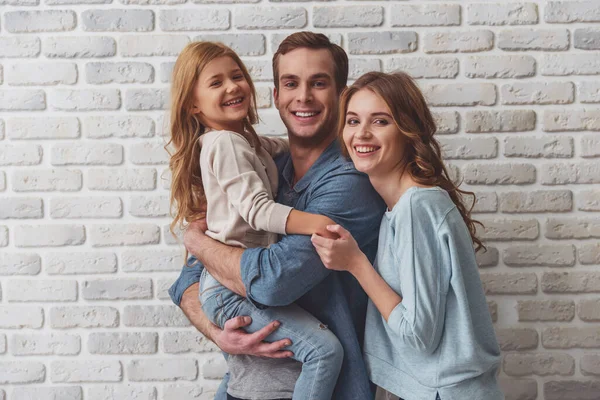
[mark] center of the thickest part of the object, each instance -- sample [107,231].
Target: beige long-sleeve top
[240,184]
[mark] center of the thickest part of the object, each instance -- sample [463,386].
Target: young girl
[429,333]
[221,165]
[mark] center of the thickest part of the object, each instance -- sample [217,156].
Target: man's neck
[303,157]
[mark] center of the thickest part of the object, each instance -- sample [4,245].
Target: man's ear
[276,98]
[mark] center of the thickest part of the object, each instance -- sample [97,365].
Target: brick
[18,154]
[499,67]
[189,392]
[460,94]
[347,16]
[263,97]
[458,41]
[186,342]
[41,74]
[46,392]
[21,208]
[571,337]
[154,316]
[22,100]
[162,370]
[162,288]
[86,207]
[19,317]
[146,99]
[117,20]
[536,201]
[589,253]
[47,180]
[534,39]
[249,44]
[41,290]
[424,67]
[571,389]
[43,128]
[117,289]
[572,120]
[545,310]
[152,3]
[499,174]
[520,93]
[502,14]
[572,228]
[508,229]
[152,45]
[468,148]
[124,235]
[3,236]
[79,46]
[123,343]
[62,2]
[518,339]
[388,42]
[205,19]
[122,179]
[49,235]
[519,389]
[19,264]
[118,127]
[572,11]
[22,372]
[40,21]
[277,38]
[488,257]
[119,72]
[148,153]
[571,282]
[540,255]
[563,173]
[86,154]
[485,202]
[262,17]
[500,121]
[261,70]
[590,146]
[143,206]
[359,67]
[590,364]
[570,64]
[540,364]
[19,47]
[587,39]
[588,200]
[2,181]
[588,92]
[446,122]
[169,239]
[75,371]
[83,317]
[80,263]
[122,391]
[214,368]
[45,344]
[588,310]
[509,283]
[425,15]
[85,99]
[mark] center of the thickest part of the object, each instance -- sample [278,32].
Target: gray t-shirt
[257,378]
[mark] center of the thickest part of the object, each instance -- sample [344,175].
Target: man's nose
[305,94]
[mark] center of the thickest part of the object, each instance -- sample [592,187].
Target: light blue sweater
[440,337]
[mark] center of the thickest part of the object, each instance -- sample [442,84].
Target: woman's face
[372,138]
[222,95]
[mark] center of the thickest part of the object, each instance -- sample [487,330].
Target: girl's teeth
[233,102]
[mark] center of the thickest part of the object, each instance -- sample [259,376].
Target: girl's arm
[303,223]
[343,254]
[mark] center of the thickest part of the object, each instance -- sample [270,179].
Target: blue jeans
[315,346]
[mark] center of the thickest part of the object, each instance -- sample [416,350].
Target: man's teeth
[305,114]
[232,102]
[365,149]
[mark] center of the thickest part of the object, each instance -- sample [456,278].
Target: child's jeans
[315,346]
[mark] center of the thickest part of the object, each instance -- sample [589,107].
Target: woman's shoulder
[424,204]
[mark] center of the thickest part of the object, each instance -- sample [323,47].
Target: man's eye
[319,84]
[290,84]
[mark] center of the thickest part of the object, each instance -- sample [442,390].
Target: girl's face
[372,138]
[222,96]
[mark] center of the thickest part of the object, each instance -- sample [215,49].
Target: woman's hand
[341,254]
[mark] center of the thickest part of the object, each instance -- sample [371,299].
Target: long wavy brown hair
[187,194]
[422,157]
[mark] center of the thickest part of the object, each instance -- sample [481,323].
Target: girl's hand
[341,254]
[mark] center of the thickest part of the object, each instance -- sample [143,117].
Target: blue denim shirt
[291,270]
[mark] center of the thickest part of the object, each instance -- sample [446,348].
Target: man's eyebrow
[288,76]
[320,75]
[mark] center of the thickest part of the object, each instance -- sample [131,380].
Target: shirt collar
[330,153]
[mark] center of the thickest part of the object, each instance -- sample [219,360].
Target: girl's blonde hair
[422,156]
[187,194]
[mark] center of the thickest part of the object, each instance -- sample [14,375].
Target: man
[309,74]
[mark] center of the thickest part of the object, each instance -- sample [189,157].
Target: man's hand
[193,233]
[234,340]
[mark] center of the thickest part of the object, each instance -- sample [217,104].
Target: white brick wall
[85,257]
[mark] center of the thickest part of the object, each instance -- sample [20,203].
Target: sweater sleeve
[274,145]
[419,317]
[232,161]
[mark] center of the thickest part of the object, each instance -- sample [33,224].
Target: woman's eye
[381,122]
[352,121]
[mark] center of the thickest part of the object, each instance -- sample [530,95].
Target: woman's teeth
[365,149]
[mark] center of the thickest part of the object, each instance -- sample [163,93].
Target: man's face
[307,99]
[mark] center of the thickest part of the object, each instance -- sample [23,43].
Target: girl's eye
[238,77]
[215,83]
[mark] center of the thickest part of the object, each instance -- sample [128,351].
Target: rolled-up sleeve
[187,277]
